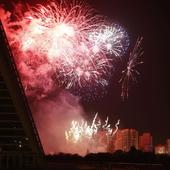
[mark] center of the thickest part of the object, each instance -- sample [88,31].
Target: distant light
[20,146]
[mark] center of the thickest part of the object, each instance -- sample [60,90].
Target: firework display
[111,39]
[65,52]
[77,44]
[80,131]
[129,74]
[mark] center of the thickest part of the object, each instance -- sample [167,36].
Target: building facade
[168,146]
[125,139]
[145,142]
[19,141]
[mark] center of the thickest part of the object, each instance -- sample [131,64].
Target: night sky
[147,108]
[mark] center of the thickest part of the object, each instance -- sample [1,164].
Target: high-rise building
[145,142]
[160,149]
[101,141]
[18,134]
[125,139]
[168,146]
[118,144]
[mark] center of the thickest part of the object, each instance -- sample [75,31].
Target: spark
[130,73]
[81,131]
[116,128]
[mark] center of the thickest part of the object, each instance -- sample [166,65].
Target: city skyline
[125,139]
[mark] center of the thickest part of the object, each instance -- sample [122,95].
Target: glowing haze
[62,45]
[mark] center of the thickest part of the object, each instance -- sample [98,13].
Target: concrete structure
[145,142]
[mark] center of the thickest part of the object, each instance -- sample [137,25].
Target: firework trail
[75,44]
[81,131]
[130,73]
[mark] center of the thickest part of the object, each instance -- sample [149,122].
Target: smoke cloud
[53,117]
[53,109]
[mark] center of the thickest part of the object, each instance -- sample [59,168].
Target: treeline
[133,156]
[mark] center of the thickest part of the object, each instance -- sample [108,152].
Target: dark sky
[147,107]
